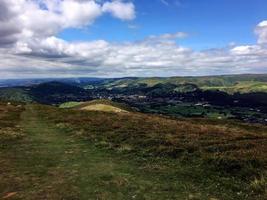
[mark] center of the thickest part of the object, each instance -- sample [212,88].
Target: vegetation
[15,94]
[73,154]
[70,104]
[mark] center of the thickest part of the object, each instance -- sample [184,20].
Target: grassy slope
[127,156]
[98,105]
[241,87]
[103,107]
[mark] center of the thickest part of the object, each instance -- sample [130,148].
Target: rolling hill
[241,97]
[245,83]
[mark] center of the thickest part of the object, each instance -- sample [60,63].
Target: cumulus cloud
[119,9]
[261,31]
[29,46]
[101,58]
[30,19]
[9,22]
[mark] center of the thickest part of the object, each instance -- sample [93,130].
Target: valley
[190,97]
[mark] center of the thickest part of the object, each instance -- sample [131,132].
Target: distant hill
[246,83]
[238,90]
[36,81]
[46,93]
[56,93]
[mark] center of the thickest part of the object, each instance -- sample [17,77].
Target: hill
[36,81]
[102,155]
[245,83]
[46,93]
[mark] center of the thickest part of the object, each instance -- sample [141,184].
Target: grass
[103,107]
[70,104]
[231,149]
[72,154]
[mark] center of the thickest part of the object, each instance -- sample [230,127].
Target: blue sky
[116,38]
[210,23]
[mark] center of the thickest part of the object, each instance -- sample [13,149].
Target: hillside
[227,83]
[46,93]
[105,155]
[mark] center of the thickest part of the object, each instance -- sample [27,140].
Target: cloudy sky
[115,38]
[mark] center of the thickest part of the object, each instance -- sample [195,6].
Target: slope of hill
[101,155]
[47,93]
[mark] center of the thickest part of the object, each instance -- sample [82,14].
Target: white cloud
[261,31]
[119,9]
[28,19]
[249,50]
[101,58]
[29,46]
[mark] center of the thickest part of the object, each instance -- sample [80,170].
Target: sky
[117,38]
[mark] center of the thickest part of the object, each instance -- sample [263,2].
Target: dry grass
[9,118]
[235,150]
[104,108]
